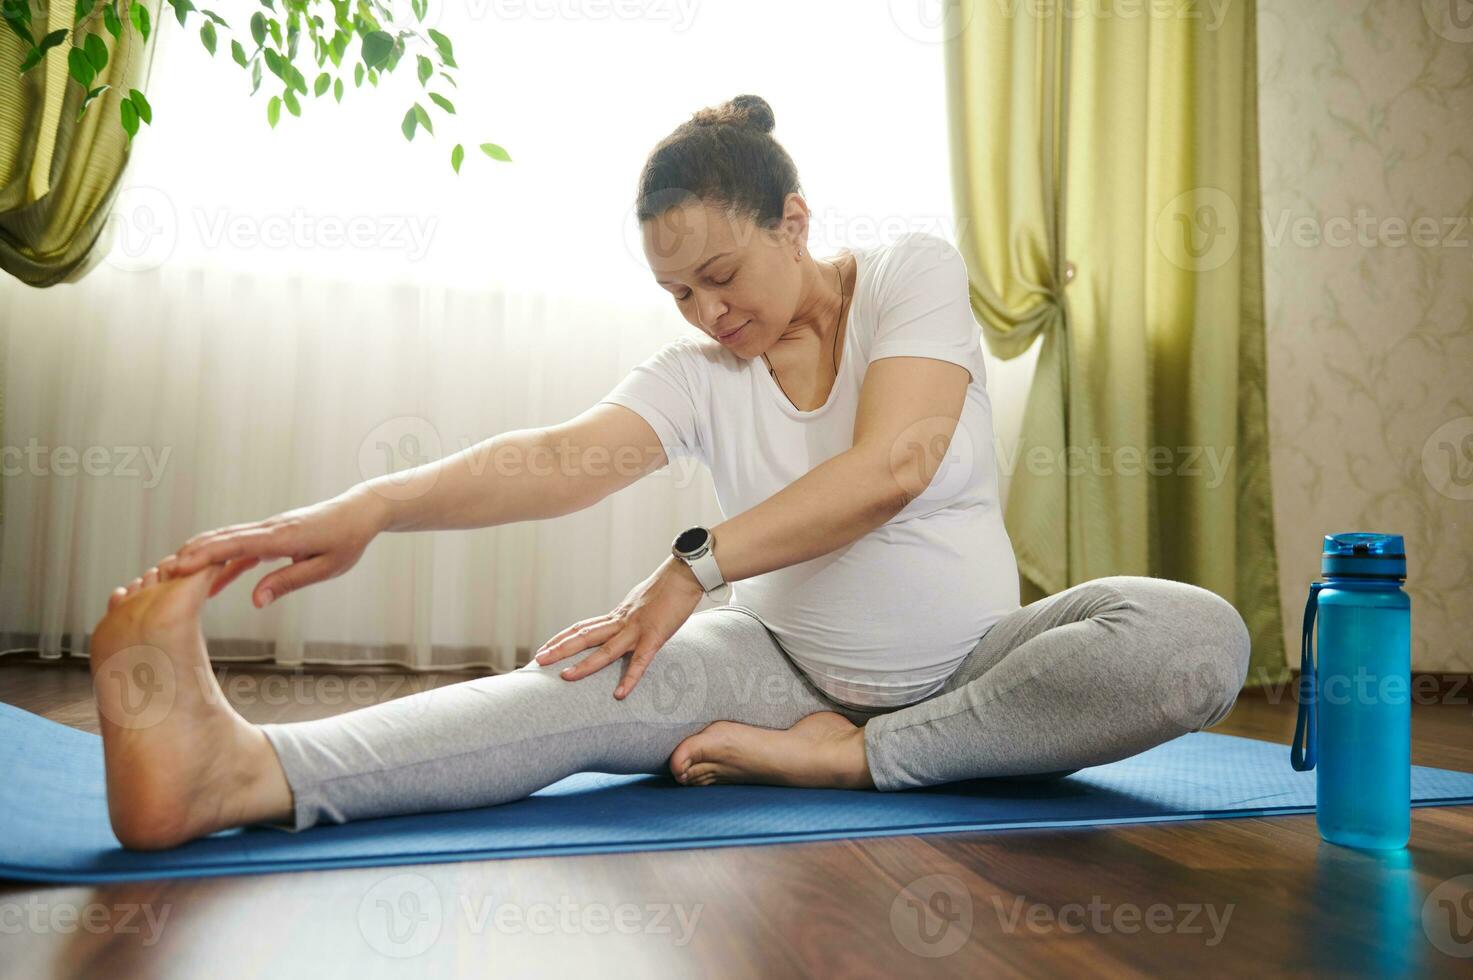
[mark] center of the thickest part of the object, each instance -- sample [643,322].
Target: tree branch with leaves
[275,33]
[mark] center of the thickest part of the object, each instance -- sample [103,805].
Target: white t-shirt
[884,620]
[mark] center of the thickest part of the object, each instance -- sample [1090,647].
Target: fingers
[233,570]
[610,651]
[228,544]
[289,579]
[577,637]
[637,665]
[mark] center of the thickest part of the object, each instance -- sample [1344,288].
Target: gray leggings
[1093,674]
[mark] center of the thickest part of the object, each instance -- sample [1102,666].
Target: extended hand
[649,615]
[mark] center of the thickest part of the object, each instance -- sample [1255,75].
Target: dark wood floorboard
[1193,898]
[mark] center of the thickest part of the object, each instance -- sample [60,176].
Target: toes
[701,774]
[135,585]
[151,577]
[116,597]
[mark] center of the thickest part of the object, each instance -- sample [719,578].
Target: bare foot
[181,763]
[823,750]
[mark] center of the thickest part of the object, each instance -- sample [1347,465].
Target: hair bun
[747,111]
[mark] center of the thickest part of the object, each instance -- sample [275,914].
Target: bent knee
[1202,643]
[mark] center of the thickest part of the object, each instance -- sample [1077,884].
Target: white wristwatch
[697,548]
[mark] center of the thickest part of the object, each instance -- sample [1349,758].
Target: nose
[710,311]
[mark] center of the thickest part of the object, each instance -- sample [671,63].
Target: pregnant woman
[873,636]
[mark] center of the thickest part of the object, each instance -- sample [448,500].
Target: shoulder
[916,254]
[915,262]
[923,249]
[692,360]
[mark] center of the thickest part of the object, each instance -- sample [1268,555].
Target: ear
[793,226]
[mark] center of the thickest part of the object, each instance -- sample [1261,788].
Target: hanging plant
[273,43]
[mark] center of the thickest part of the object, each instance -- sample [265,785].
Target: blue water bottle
[1355,701]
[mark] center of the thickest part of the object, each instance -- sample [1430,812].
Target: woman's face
[735,282]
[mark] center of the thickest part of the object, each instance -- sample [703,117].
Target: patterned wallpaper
[1366,116]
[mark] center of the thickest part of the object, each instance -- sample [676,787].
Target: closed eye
[716,282]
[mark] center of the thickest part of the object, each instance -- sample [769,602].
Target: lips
[729,337]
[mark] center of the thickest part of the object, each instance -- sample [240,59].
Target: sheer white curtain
[286,312]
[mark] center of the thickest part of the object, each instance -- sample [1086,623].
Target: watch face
[691,540]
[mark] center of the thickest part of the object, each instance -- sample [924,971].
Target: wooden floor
[1196,898]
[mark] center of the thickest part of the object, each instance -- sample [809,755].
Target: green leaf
[79,66]
[407,126]
[443,44]
[426,68]
[321,85]
[258,28]
[376,48]
[130,116]
[111,21]
[181,10]
[423,117]
[51,40]
[337,89]
[84,7]
[373,77]
[207,35]
[292,105]
[255,76]
[90,97]
[456,156]
[17,15]
[138,17]
[238,53]
[273,110]
[96,49]
[495,152]
[215,17]
[145,111]
[446,76]
[442,102]
[357,76]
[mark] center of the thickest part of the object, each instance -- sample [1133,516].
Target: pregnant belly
[899,606]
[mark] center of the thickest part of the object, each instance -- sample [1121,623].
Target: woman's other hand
[649,615]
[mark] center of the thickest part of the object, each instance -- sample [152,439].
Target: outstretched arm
[521,475]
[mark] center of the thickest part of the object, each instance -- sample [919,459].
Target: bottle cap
[1363,554]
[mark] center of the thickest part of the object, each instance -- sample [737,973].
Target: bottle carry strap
[1303,756]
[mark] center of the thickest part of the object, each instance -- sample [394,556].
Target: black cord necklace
[843,303]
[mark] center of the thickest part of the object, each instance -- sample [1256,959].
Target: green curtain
[1101,163]
[59,176]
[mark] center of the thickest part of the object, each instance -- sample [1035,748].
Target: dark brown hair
[723,156]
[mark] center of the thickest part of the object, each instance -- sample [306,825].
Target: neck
[817,318]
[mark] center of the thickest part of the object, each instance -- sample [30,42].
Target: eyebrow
[666,282]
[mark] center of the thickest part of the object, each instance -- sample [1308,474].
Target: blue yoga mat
[54,827]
